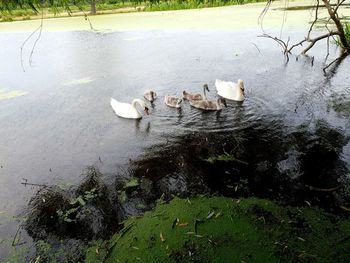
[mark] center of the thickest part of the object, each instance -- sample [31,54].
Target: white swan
[208,104]
[127,110]
[230,90]
[150,95]
[195,96]
[172,101]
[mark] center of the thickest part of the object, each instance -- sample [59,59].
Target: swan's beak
[147,110]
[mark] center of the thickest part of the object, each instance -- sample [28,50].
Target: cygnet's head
[205,86]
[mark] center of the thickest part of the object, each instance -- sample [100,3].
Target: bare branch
[279,41]
[313,41]
[334,16]
[315,20]
[336,62]
[295,45]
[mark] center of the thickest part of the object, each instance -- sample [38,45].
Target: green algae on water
[77,82]
[220,229]
[9,94]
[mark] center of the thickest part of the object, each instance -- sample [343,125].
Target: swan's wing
[226,89]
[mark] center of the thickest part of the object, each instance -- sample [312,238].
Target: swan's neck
[218,104]
[204,93]
[137,101]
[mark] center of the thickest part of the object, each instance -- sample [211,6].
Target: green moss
[220,229]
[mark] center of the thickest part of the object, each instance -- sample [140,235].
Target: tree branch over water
[342,40]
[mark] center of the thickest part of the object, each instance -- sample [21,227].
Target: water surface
[62,121]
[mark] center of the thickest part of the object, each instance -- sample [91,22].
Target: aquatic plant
[346,27]
[219,229]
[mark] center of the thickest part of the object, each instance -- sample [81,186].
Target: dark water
[292,129]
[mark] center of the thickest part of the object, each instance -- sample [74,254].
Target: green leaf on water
[9,94]
[132,183]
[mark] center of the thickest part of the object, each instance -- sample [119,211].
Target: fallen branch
[314,188]
[25,183]
[336,62]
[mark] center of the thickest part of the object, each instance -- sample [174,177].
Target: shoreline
[236,18]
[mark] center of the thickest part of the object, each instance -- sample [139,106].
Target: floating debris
[77,82]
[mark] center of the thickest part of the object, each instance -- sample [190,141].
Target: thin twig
[315,20]
[255,45]
[25,183]
[37,39]
[88,19]
[14,238]
[327,49]
[23,44]
[263,13]
[295,45]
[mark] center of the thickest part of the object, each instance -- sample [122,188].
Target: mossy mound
[219,229]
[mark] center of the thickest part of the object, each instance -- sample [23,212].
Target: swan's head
[179,101]
[205,87]
[241,85]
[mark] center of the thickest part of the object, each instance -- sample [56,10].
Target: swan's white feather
[125,110]
[229,90]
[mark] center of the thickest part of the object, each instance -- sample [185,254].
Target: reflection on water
[65,123]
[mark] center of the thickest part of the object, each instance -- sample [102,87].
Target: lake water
[62,121]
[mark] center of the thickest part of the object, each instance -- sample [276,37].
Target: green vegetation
[346,27]
[64,8]
[219,229]
[193,4]
[76,204]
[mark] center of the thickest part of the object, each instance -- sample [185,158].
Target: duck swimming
[208,104]
[172,101]
[196,96]
[129,111]
[150,95]
[230,90]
